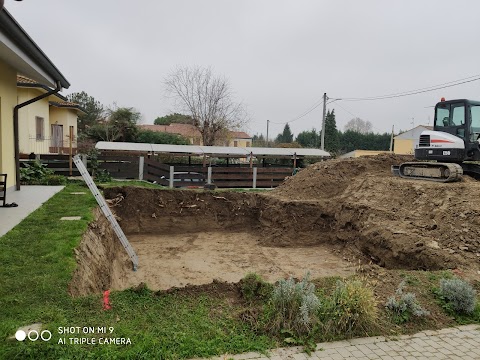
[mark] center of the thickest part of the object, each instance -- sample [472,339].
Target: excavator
[451,149]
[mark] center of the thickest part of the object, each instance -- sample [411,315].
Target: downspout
[15,127]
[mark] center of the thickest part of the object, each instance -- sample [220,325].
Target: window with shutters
[39,123]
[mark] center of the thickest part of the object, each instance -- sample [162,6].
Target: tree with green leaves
[286,136]
[259,141]
[309,139]
[93,108]
[352,140]
[331,133]
[155,137]
[120,125]
[174,118]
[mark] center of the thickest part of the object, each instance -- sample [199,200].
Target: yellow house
[187,131]
[190,132]
[238,139]
[19,55]
[45,125]
[404,143]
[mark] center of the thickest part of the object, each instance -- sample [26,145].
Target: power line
[383,97]
[317,104]
[418,91]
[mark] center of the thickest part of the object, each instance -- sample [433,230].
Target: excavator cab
[460,118]
[451,146]
[455,134]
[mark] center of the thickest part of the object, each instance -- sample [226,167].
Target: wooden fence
[221,176]
[143,168]
[60,164]
[120,166]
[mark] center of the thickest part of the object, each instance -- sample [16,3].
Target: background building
[404,143]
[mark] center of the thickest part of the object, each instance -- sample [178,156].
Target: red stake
[106,300]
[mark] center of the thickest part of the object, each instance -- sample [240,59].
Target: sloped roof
[239,135]
[25,82]
[189,131]
[67,104]
[413,134]
[186,130]
[17,48]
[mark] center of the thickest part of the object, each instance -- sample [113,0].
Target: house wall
[196,140]
[27,123]
[8,100]
[403,146]
[240,142]
[66,117]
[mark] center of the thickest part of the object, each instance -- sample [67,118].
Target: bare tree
[207,99]
[359,125]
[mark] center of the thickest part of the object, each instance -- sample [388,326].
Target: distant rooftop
[239,135]
[189,131]
[413,133]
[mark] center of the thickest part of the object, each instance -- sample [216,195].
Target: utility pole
[268,121]
[391,139]
[322,143]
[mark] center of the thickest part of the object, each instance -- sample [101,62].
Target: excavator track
[431,171]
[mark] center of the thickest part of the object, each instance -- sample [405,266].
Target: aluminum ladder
[106,211]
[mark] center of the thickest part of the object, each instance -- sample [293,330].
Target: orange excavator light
[442,99]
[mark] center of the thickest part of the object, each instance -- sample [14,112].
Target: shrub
[34,173]
[351,309]
[405,306]
[54,180]
[295,306]
[103,176]
[458,295]
[253,287]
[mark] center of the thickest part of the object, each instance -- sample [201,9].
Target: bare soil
[328,218]
[199,258]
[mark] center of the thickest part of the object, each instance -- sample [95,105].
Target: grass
[37,260]
[139,183]
[146,184]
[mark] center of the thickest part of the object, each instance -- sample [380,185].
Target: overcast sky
[279,56]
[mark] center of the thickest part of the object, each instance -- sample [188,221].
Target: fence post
[172,171]
[209,175]
[254,185]
[141,163]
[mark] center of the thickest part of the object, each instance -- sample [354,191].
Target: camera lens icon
[33,335]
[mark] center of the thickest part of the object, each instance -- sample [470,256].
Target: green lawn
[37,262]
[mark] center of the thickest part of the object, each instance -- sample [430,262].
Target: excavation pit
[328,219]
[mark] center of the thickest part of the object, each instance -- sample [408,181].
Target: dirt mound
[330,178]
[398,222]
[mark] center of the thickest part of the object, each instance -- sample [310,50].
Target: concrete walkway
[462,342]
[29,199]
